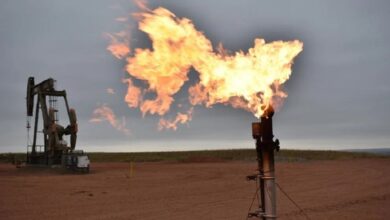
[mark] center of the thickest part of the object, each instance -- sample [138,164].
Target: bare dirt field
[340,189]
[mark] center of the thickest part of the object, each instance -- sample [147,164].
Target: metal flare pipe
[265,147]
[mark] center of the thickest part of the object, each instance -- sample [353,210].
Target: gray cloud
[338,92]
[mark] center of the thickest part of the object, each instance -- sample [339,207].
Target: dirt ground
[343,189]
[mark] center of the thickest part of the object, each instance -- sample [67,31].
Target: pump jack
[55,149]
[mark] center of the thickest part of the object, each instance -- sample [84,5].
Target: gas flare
[119,44]
[105,113]
[133,96]
[250,80]
[181,118]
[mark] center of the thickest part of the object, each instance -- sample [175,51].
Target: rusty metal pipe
[268,165]
[265,146]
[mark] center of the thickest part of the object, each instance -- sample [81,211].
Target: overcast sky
[339,93]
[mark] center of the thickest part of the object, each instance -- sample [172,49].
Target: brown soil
[343,189]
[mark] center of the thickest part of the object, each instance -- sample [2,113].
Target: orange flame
[133,95]
[249,80]
[142,4]
[105,113]
[181,118]
[119,44]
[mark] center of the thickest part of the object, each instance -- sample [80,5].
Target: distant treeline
[210,156]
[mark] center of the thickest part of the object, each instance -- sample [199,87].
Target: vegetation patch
[210,156]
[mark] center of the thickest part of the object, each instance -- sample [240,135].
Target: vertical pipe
[261,173]
[269,185]
[268,167]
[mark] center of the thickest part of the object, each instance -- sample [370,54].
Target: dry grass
[210,156]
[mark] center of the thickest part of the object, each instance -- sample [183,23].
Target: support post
[265,147]
[268,159]
[33,150]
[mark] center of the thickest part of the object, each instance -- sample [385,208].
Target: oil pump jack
[55,150]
